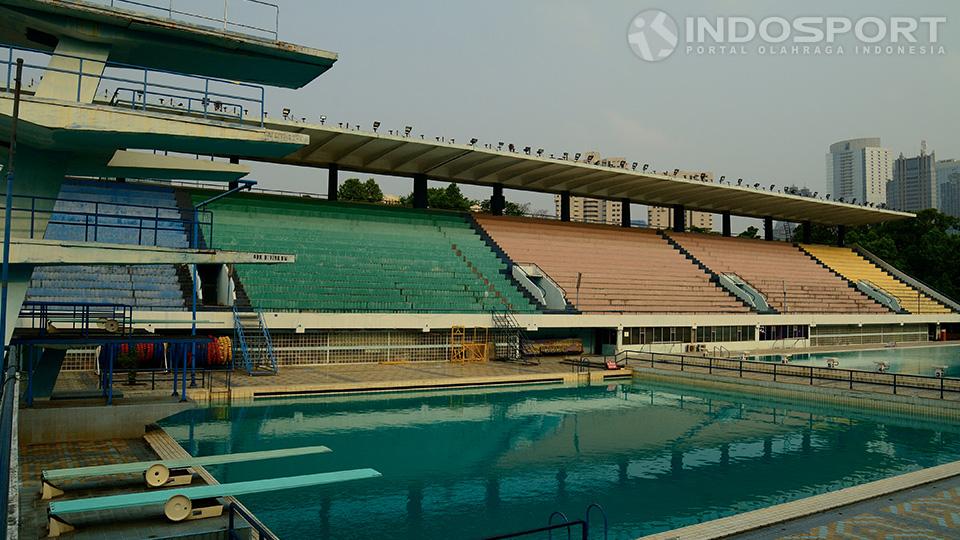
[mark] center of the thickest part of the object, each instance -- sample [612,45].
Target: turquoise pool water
[473,463]
[908,360]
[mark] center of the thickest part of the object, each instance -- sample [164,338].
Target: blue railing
[80,317]
[219,20]
[100,219]
[146,89]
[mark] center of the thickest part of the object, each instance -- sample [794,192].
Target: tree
[751,232]
[448,198]
[510,209]
[355,190]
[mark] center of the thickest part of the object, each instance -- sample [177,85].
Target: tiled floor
[926,512]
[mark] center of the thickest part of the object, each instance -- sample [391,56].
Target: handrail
[78,315]
[809,373]
[224,22]
[96,219]
[8,404]
[234,510]
[212,100]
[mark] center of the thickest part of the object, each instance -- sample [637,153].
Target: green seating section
[361,258]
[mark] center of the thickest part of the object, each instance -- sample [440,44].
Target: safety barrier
[207,97]
[225,22]
[809,374]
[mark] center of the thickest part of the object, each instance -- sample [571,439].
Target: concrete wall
[63,424]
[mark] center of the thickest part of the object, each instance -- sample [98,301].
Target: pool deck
[923,504]
[333,379]
[117,524]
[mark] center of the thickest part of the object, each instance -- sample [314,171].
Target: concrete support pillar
[497,202]
[565,206]
[333,182]
[841,235]
[625,212]
[679,218]
[725,219]
[420,191]
[807,232]
[768,229]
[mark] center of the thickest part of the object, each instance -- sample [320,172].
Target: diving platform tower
[110,92]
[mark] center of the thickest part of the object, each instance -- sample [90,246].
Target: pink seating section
[623,270]
[792,281]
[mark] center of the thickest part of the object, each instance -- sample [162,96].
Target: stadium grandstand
[132,227]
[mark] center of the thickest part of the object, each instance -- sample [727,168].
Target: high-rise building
[660,217]
[592,210]
[948,186]
[914,184]
[859,169]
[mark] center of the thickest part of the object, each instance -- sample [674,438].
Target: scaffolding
[469,346]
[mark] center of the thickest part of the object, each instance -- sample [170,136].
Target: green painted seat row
[360,258]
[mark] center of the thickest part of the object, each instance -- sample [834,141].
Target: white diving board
[178,503]
[169,472]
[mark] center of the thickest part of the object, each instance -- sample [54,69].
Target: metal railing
[233,512]
[78,316]
[149,89]
[222,21]
[101,219]
[794,372]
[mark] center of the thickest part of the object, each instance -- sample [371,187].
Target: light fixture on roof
[703,177]
[511,147]
[566,156]
[473,141]
[815,193]
[526,150]
[722,178]
[772,186]
[323,119]
[407,130]
[576,156]
[841,199]
[854,201]
[286,113]
[739,181]
[539,152]
[646,166]
[376,126]
[676,171]
[589,158]
[635,164]
[340,124]
[828,196]
[500,145]
[437,138]
[756,186]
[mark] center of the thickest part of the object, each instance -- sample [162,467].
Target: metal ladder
[252,343]
[506,328]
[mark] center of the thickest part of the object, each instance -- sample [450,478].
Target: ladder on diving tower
[252,343]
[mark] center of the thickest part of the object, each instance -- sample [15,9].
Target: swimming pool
[477,462]
[908,360]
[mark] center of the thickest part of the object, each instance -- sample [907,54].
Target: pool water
[474,463]
[907,360]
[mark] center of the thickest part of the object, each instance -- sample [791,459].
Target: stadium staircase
[786,276]
[252,343]
[605,269]
[854,267]
[146,287]
[361,258]
[732,283]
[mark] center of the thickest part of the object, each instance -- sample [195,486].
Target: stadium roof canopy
[378,153]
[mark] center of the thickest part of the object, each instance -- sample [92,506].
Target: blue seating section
[154,287]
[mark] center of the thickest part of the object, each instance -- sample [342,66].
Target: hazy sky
[559,74]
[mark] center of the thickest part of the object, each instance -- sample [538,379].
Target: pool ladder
[566,525]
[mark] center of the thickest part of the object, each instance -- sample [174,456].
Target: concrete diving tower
[158,41]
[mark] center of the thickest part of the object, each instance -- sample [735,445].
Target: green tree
[510,209]
[448,198]
[355,190]
[751,232]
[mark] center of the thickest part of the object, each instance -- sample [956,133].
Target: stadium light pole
[4,292]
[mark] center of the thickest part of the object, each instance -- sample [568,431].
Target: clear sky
[559,74]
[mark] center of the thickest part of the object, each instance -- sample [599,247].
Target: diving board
[178,503]
[170,472]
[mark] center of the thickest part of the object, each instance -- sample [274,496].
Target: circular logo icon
[653,35]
